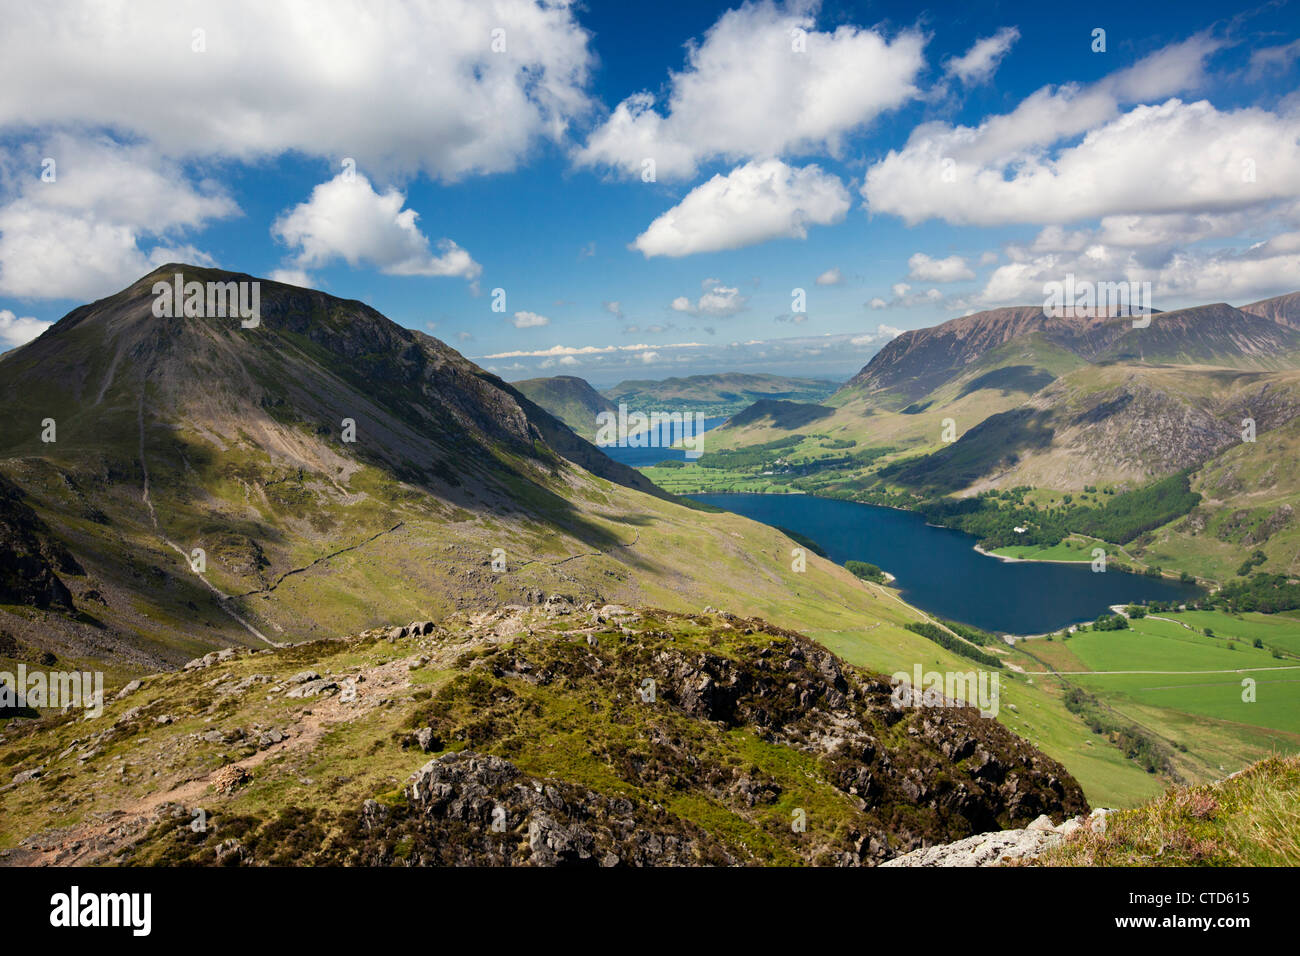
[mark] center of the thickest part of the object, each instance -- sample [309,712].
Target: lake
[938,570]
[663,450]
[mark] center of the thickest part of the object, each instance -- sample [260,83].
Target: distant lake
[938,570]
[663,450]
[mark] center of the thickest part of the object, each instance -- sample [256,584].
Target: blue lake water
[662,451]
[938,570]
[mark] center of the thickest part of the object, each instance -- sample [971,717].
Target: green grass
[1201,717]
[1275,630]
[1251,820]
[1073,548]
[1163,645]
[694,479]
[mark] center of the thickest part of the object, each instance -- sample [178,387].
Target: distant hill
[920,361]
[1214,334]
[1283,308]
[570,399]
[716,395]
[780,414]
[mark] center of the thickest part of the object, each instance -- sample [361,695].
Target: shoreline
[1011,560]
[891,580]
[1165,575]
[808,494]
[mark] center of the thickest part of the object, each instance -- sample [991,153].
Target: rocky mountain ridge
[556,734]
[922,360]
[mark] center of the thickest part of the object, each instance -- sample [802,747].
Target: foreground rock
[477,809]
[1003,846]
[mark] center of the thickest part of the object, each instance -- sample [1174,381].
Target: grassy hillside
[1250,819]
[653,737]
[569,399]
[1250,494]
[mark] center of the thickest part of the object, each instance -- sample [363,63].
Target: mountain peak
[1284,309]
[921,360]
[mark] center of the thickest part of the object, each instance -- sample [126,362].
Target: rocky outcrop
[30,558]
[1003,846]
[609,735]
[913,775]
[470,809]
[1271,525]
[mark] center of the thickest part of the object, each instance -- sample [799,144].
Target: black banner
[136,907]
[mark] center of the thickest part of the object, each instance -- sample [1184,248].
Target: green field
[1073,548]
[1202,717]
[694,479]
[1275,630]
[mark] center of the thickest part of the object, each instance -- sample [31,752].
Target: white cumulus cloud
[1193,158]
[299,278]
[346,219]
[951,269]
[1178,276]
[414,86]
[16,330]
[883,333]
[717,301]
[978,64]
[1071,153]
[753,203]
[110,214]
[764,82]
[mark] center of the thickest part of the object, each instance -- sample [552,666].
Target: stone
[313,688]
[617,611]
[230,778]
[1069,827]
[1043,823]
[984,849]
[207,660]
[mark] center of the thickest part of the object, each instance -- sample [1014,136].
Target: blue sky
[1169,157]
